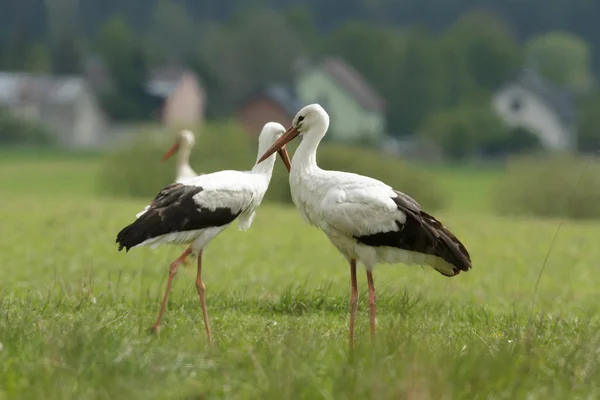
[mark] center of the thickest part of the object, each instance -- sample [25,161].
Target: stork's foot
[154,329]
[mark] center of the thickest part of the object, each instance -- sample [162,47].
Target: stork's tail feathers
[448,247]
[129,237]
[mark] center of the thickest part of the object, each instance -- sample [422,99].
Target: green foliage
[233,55]
[514,140]
[420,74]
[19,131]
[588,126]
[563,58]
[471,129]
[550,186]
[420,81]
[488,48]
[464,131]
[126,98]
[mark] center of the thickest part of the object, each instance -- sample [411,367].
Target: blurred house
[178,91]
[273,102]
[543,109]
[182,97]
[65,105]
[356,110]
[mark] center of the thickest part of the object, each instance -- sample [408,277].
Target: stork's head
[271,132]
[307,119]
[184,138]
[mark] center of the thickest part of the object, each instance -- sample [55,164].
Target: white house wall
[533,115]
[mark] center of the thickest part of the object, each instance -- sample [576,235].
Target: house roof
[560,100]
[163,80]
[284,96]
[346,76]
[281,94]
[16,87]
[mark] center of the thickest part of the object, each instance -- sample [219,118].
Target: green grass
[74,312]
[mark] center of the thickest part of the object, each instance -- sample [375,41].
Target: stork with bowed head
[184,141]
[196,210]
[365,219]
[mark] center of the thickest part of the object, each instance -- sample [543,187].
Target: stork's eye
[301,118]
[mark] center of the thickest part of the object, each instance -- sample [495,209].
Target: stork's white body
[347,205]
[221,198]
[240,191]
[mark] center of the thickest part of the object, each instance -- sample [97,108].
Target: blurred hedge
[468,130]
[546,186]
[135,170]
[20,131]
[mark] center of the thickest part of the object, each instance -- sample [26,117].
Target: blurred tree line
[436,63]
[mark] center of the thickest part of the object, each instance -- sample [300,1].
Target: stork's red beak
[285,157]
[280,143]
[170,152]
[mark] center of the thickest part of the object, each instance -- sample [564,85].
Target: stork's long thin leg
[172,273]
[372,301]
[200,287]
[353,300]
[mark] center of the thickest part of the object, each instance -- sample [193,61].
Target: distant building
[182,97]
[356,110]
[177,90]
[543,109]
[65,105]
[274,102]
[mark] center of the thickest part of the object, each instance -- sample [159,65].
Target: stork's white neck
[183,156]
[265,167]
[305,157]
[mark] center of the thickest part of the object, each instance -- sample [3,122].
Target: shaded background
[432,83]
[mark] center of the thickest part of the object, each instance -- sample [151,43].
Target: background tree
[66,42]
[588,132]
[485,47]
[126,97]
[248,52]
[420,83]
[466,131]
[171,31]
[563,58]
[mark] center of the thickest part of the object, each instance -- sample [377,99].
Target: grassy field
[74,312]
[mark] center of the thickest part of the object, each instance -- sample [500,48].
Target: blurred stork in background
[184,141]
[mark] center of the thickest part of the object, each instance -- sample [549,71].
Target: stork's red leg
[353,300]
[172,273]
[200,287]
[372,306]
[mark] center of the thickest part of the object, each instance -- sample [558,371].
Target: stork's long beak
[170,152]
[285,157]
[290,134]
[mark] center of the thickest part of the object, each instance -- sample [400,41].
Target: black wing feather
[173,210]
[421,233]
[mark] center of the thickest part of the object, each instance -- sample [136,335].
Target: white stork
[365,219]
[184,142]
[196,210]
